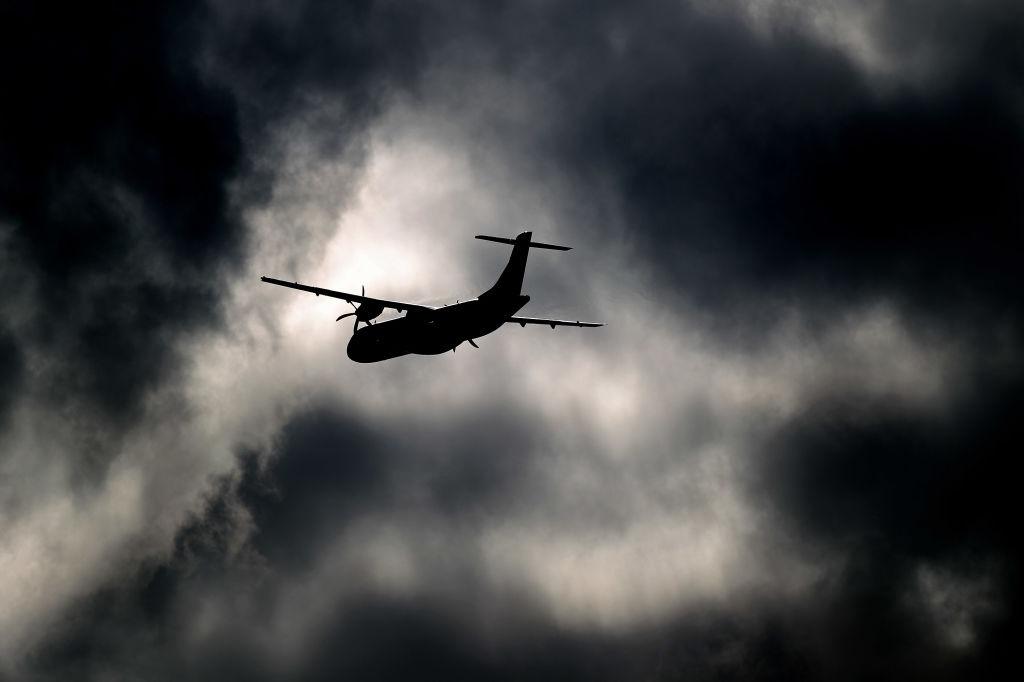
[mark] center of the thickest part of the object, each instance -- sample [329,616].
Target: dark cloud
[753,170]
[267,526]
[891,491]
[117,156]
[894,490]
[11,371]
[754,167]
[330,467]
[134,137]
[326,469]
[363,49]
[854,471]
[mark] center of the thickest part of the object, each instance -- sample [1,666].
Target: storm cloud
[789,455]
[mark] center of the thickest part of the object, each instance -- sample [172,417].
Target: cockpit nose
[360,347]
[377,342]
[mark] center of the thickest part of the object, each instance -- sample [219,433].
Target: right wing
[523,321]
[351,298]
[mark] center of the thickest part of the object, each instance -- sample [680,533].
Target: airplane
[431,331]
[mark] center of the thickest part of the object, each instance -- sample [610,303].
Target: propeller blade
[473,344]
[343,316]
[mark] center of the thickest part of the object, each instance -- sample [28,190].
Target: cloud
[788,455]
[117,157]
[133,156]
[917,506]
[753,167]
[11,370]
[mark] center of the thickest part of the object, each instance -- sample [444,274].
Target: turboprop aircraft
[425,330]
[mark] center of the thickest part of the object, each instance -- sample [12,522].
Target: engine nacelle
[368,311]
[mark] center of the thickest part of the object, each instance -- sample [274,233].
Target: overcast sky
[789,455]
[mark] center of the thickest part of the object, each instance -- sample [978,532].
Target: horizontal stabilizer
[535,245]
[523,321]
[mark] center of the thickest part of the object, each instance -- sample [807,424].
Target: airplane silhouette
[430,331]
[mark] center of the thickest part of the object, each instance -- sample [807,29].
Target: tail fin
[510,283]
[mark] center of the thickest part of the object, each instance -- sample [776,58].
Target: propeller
[355,311]
[364,312]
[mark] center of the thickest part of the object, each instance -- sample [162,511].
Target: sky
[790,454]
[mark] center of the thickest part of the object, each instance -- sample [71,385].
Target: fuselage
[435,331]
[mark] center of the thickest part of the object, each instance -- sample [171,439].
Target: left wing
[351,298]
[523,321]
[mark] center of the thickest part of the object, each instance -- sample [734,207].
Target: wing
[523,321]
[351,298]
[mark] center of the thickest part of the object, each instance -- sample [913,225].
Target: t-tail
[510,283]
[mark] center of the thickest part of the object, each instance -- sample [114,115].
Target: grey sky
[786,456]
